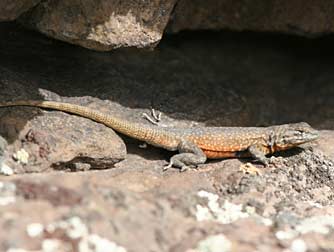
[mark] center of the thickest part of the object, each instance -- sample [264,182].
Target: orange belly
[224,154]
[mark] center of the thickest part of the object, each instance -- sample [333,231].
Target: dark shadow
[283,154]
[290,152]
[149,152]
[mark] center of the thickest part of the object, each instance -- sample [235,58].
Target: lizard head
[290,135]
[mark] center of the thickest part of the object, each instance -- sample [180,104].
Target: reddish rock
[229,79]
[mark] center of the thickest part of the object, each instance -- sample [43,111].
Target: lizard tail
[61,106]
[131,129]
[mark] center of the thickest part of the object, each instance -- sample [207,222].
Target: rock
[326,143]
[102,25]
[235,80]
[60,141]
[307,18]
[42,141]
[11,9]
[5,169]
[3,145]
[105,25]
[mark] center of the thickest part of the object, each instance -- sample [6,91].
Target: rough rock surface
[49,144]
[41,141]
[12,9]
[102,25]
[308,18]
[134,206]
[105,25]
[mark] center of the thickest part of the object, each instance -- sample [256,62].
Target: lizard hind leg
[154,118]
[190,155]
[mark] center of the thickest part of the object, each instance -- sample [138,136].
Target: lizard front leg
[259,154]
[189,155]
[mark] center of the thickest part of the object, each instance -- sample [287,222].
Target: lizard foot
[154,118]
[167,167]
[258,154]
[182,168]
[270,161]
[275,160]
[190,155]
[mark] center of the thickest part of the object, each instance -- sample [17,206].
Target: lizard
[195,144]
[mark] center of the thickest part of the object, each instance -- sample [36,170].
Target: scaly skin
[196,144]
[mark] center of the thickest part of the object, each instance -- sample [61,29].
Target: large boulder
[303,17]
[11,9]
[102,25]
[105,25]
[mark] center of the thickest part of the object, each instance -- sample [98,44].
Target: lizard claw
[184,168]
[154,118]
[166,167]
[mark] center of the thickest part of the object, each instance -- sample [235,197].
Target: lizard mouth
[313,135]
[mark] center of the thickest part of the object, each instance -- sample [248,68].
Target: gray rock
[3,145]
[102,25]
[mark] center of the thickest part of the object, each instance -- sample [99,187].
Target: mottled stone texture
[11,9]
[102,25]
[304,17]
[216,79]
[105,25]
